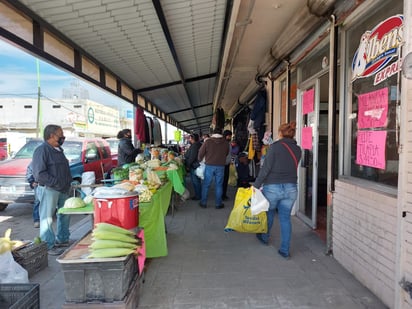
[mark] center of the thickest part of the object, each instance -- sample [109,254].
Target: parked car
[114,148]
[84,155]
[3,149]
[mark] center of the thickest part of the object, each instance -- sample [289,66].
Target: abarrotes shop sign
[378,51]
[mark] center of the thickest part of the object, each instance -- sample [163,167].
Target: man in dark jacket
[52,172]
[192,163]
[126,151]
[33,184]
[215,151]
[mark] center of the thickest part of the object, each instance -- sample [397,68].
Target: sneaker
[202,205]
[220,206]
[284,255]
[55,251]
[63,244]
[36,224]
[263,241]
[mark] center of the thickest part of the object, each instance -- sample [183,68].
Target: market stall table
[151,219]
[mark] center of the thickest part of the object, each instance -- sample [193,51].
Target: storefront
[343,88]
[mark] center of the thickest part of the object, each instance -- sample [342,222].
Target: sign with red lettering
[370,149]
[377,48]
[307,138]
[373,109]
[308,101]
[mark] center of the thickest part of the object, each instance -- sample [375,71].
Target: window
[374,99]
[103,150]
[92,154]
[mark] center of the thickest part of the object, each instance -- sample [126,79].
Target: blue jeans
[36,215]
[215,172]
[50,200]
[280,197]
[196,182]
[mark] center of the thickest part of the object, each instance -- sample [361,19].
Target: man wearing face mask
[52,172]
[126,152]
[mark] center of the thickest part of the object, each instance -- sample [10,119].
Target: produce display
[6,244]
[112,241]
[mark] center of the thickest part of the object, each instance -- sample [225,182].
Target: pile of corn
[112,241]
[6,244]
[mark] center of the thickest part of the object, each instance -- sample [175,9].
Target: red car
[84,155]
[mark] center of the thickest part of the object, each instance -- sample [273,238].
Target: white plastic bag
[11,271]
[200,171]
[258,202]
[88,178]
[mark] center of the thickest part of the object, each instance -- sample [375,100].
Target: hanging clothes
[258,116]
[241,134]
[140,125]
[150,126]
[157,132]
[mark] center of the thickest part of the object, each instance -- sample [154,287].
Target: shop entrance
[313,137]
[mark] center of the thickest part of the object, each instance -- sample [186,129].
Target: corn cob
[113,236]
[102,226]
[110,252]
[107,243]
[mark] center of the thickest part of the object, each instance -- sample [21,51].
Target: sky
[18,77]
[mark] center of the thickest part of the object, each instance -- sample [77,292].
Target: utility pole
[39,127]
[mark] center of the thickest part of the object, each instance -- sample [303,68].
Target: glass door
[308,138]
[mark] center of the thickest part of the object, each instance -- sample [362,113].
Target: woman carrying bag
[278,179]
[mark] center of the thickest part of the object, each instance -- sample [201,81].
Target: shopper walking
[215,151]
[278,177]
[51,171]
[126,151]
[228,137]
[192,163]
[33,185]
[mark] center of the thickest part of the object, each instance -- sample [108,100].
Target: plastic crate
[20,295]
[130,301]
[87,280]
[32,257]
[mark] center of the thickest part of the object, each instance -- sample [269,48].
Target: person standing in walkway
[228,137]
[126,151]
[33,185]
[52,172]
[215,151]
[278,179]
[192,163]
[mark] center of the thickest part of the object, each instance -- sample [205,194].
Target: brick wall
[364,237]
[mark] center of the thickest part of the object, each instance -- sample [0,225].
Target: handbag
[258,202]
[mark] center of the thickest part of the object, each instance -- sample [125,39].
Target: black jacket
[126,151]
[191,161]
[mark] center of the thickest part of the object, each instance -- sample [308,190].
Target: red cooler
[122,210]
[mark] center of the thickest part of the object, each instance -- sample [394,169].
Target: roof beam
[175,83]
[190,108]
[165,28]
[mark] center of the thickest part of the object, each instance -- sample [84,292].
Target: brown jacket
[214,150]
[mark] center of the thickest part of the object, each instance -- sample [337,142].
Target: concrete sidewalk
[209,268]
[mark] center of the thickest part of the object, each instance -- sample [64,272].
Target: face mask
[61,140]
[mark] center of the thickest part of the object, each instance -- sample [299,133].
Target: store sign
[378,48]
[102,120]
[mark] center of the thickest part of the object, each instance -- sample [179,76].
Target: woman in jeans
[278,179]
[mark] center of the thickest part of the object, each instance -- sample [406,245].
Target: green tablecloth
[151,218]
[176,178]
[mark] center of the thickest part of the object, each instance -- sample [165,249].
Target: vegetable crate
[130,301]
[89,280]
[20,295]
[32,257]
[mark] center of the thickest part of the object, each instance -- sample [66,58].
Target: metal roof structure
[178,59]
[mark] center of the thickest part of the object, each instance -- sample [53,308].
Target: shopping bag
[200,171]
[232,175]
[241,218]
[258,202]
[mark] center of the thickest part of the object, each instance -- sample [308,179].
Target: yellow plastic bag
[241,218]
[232,175]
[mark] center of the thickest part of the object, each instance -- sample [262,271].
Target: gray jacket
[51,168]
